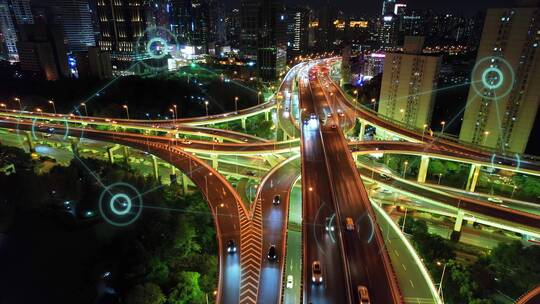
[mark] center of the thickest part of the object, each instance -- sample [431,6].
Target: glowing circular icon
[157,48]
[120,204]
[498,160]
[154,46]
[492,78]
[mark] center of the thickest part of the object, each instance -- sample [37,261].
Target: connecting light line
[91,97]
[439,90]
[91,172]
[499,122]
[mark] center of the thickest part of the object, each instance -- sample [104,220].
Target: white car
[289,281]
[495,200]
[186,142]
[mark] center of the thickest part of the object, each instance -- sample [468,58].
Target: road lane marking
[396,252]
[404,267]
[411,283]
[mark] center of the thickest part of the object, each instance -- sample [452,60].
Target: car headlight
[320,279]
[313,279]
[229,249]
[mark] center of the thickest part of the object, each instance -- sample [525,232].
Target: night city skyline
[269,151]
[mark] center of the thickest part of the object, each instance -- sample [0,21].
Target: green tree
[187,289]
[437,167]
[147,293]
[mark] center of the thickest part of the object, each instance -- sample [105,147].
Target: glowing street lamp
[175,111]
[442,277]
[51,102]
[423,131]
[17,99]
[406,163]
[486,133]
[259,97]
[3,105]
[172,111]
[374,102]
[85,109]
[206,106]
[439,182]
[236,104]
[402,111]
[39,111]
[127,110]
[443,123]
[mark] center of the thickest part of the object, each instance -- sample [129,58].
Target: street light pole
[127,110]
[439,182]
[424,131]
[3,105]
[443,123]
[85,109]
[175,112]
[206,106]
[17,99]
[404,219]
[486,133]
[236,104]
[405,168]
[259,97]
[54,107]
[442,277]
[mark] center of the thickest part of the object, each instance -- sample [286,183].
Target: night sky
[465,7]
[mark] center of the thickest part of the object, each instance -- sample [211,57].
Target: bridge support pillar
[110,152]
[362,130]
[173,176]
[473,177]
[456,233]
[422,172]
[73,145]
[214,161]
[184,183]
[155,167]
[29,139]
[243,120]
[126,154]
[267,115]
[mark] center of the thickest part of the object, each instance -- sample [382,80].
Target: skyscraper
[505,91]
[249,28]
[409,78]
[8,34]
[75,18]
[42,50]
[326,31]
[298,29]
[122,26]
[272,40]
[22,11]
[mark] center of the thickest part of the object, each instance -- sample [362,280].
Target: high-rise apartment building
[272,40]
[505,91]
[409,78]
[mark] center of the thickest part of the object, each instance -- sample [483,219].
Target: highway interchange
[332,187]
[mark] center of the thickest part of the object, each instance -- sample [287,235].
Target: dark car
[272,253]
[276,200]
[231,246]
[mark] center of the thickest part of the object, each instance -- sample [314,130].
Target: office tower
[326,31]
[22,11]
[75,18]
[388,7]
[504,96]
[409,78]
[94,63]
[122,27]
[181,19]
[8,38]
[200,27]
[249,28]
[42,50]
[388,32]
[298,30]
[272,40]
